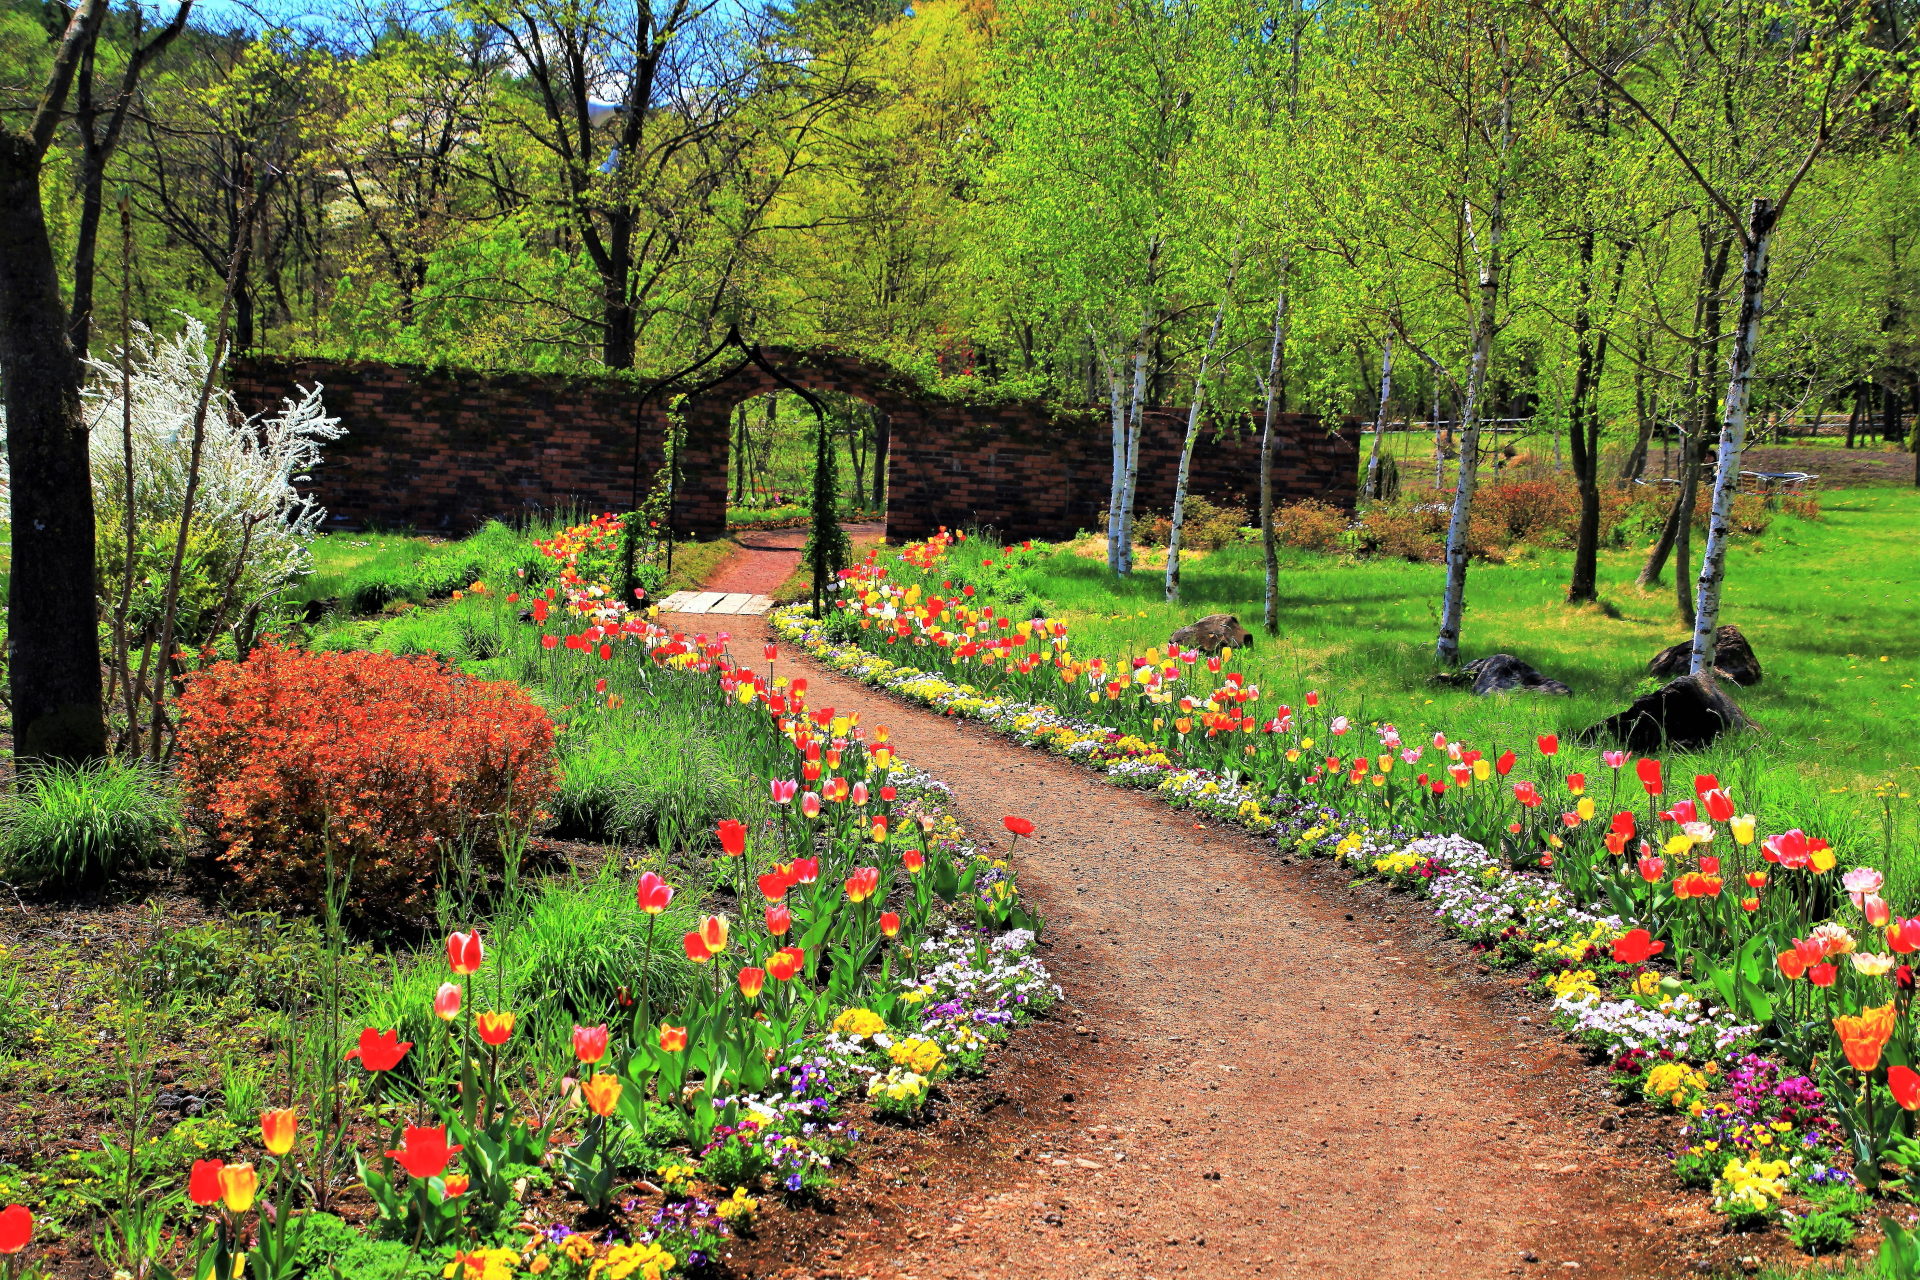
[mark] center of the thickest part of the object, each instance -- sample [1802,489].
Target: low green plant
[70,825]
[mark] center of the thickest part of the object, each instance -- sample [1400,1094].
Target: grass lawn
[1832,608]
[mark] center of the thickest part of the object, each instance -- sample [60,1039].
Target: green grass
[1832,608]
[341,561]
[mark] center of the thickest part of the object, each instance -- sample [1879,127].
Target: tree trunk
[1453,601]
[1194,413]
[1583,425]
[1130,476]
[1275,402]
[1853,415]
[1677,532]
[1646,413]
[1372,490]
[51,601]
[1116,486]
[1733,430]
[882,442]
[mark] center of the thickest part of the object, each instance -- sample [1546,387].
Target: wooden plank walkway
[735,602]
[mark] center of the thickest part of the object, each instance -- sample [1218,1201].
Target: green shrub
[1310,525]
[273,962]
[75,824]
[1822,1231]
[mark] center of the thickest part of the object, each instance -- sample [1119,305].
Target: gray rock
[1501,673]
[1733,658]
[1213,633]
[1682,715]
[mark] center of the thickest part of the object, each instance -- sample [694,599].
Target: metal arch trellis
[752,356]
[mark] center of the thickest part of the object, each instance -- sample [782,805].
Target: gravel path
[1257,1074]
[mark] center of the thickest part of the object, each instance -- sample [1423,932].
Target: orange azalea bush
[389,758]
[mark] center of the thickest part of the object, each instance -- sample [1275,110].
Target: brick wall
[446,451]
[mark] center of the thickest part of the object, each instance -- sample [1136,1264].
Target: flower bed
[1593,878]
[871,953]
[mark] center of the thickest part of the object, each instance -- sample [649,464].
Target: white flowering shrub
[247,501]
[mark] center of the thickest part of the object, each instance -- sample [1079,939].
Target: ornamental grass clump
[72,825]
[386,766]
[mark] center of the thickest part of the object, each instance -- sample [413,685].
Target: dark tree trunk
[55,652]
[882,442]
[1583,423]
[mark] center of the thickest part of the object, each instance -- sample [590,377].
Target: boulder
[1733,659]
[1501,673]
[1213,633]
[1682,715]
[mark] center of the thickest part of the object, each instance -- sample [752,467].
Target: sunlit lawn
[1832,608]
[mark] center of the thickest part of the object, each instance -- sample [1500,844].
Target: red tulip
[696,949]
[464,952]
[1637,946]
[423,1151]
[1549,744]
[1719,804]
[1705,782]
[590,1043]
[1905,1083]
[784,964]
[751,982]
[653,893]
[1651,869]
[446,1001]
[806,870]
[774,885]
[771,653]
[1649,771]
[16,1228]
[540,612]
[203,1182]
[1504,765]
[889,924]
[779,919]
[495,1028]
[380,1050]
[549,642]
[1821,975]
[913,862]
[1903,935]
[713,933]
[733,837]
[1019,826]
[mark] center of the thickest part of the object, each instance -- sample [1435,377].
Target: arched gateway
[446,450]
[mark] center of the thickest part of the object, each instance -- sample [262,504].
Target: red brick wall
[446,451]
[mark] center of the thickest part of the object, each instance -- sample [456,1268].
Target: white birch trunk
[1733,432]
[1119,466]
[1276,365]
[1194,412]
[1453,601]
[1129,479]
[1380,417]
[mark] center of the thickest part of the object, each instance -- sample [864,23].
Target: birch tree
[1774,107]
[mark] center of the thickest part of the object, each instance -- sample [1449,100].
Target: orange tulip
[752,980]
[602,1093]
[783,964]
[277,1130]
[889,924]
[1864,1035]
[673,1039]
[456,1184]
[238,1183]
[495,1028]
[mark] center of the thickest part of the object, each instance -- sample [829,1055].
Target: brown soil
[1256,1073]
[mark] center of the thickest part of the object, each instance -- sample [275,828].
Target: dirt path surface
[1256,1074]
[768,557]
